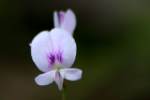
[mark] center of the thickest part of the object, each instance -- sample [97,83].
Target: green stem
[64,92]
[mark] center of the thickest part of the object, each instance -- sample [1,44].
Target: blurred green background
[113,39]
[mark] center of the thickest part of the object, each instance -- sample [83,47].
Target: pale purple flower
[54,52]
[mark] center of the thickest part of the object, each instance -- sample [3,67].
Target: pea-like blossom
[54,51]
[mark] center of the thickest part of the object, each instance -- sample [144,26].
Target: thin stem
[64,92]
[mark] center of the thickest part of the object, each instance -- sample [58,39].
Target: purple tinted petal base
[61,16]
[59,80]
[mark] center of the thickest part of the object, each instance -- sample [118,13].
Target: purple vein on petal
[59,57]
[51,58]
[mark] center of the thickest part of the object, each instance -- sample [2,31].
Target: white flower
[54,52]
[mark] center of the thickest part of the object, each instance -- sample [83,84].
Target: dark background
[113,39]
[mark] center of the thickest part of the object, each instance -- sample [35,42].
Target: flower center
[57,66]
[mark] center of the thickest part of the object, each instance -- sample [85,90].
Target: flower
[54,52]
